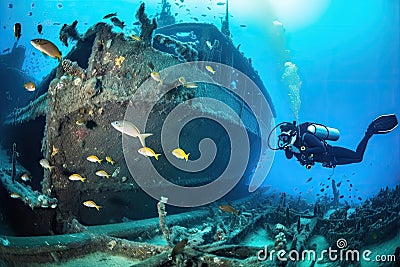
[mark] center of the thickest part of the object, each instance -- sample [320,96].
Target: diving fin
[383,124]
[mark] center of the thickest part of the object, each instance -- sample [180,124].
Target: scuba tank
[323,132]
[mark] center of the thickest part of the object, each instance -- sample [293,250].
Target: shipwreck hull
[83,99]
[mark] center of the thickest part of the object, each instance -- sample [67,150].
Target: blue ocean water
[347,56]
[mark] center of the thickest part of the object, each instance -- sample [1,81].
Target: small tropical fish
[338,184]
[93,158]
[80,122]
[243,25]
[220,3]
[178,249]
[47,47]
[30,86]
[341,196]
[182,80]
[277,23]
[229,208]
[15,195]
[54,151]
[102,173]
[110,15]
[359,198]
[130,129]
[109,159]
[25,177]
[156,76]
[17,30]
[148,152]
[210,69]
[40,28]
[209,45]
[46,164]
[118,23]
[180,154]
[76,177]
[91,204]
[322,189]
[119,60]
[136,38]
[190,85]
[309,180]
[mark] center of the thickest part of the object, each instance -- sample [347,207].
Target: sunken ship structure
[92,87]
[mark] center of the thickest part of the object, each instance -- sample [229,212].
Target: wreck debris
[72,69]
[186,51]
[225,23]
[35,109]
[161,215]
[69,31]
[335,194]
[13,161]
[147,27]
[31,198]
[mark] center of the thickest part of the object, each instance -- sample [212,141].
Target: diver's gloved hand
[293,149]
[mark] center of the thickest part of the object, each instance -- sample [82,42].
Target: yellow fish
[156,76]
[30,86]
[80,122]
[190,85]
[25,177]
[210,69]
[93,158]
[119,60]
[180,154]
[109,159]
[182,80]
[54,152]
[91,204]
[102,173]
[148,152]
[15,195]
[136,38]
[47,47]
[229,208]
[76,177]
[46,164]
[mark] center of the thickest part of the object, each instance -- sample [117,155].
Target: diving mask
[286,139]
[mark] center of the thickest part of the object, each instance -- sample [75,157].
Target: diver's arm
[315,146]
[288,154]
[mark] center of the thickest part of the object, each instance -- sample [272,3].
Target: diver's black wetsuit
[323,152]
[308,148]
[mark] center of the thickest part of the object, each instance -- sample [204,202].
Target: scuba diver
[307,142]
